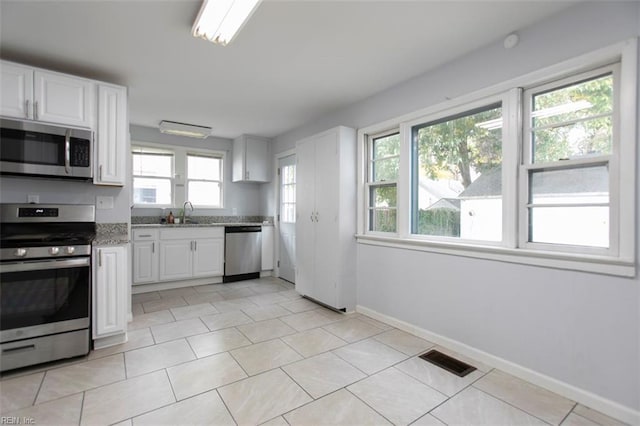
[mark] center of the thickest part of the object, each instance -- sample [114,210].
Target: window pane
[573,121]
[205,168]
[386,146]
[577,101]
[581,226]
[593,137]
[288,213]
[457,189]
[382,220]
[383,196]
[204,193]
[570,186]
[152,165]
[385,158]
[151,191]
[385,170]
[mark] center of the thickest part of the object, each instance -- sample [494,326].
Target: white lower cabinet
[145,256]
[110,290]
[191,253]
[208,257]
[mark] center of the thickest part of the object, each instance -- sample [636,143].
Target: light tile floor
[254,352]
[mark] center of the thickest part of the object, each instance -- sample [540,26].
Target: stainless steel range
[45,282]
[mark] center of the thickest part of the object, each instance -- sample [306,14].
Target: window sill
[572,262]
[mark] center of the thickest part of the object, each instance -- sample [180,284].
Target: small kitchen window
[204,180]
[152,177]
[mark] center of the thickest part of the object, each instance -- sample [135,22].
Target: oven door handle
[43,265]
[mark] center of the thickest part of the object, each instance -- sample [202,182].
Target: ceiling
[292,62]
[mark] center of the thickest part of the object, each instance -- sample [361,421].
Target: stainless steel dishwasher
[242,252]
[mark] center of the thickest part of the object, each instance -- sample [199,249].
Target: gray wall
[582,329]
[16,189]
[246,198]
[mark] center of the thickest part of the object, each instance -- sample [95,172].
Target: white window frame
[619,262]
[508,101]
[370,183]
[208,154]
[178,180]
[147,149]
[611,161]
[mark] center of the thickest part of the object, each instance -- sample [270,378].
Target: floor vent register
[450,364]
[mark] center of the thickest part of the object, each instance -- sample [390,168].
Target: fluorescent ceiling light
[183,129]
[219,20]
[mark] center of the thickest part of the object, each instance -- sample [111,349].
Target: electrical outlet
[33,198]
[104,203]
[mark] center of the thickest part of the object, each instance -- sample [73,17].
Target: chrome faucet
[184,210]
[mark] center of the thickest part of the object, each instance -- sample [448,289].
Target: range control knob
[70,250]
[54,250]
[21,252]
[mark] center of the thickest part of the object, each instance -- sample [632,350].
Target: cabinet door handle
[26,108]
[35,110]
[142,236]
[100,172]
[100,258]
[195,246]
[153,247]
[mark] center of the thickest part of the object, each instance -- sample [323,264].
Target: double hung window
[152,177]
[569,139]
[384,157]
[204,180]
[540,171]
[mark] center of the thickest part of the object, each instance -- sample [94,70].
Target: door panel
[208,257]
[287,218]
[305,207]
[175,259]
[326,224]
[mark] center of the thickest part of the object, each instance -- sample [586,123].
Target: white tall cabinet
[326,218]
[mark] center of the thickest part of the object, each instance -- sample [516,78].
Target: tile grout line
[510,404]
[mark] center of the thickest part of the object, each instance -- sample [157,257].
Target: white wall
[245,198]
[16,189]
[578,328]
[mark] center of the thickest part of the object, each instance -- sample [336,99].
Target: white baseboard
[591,400]
[105,342]
[169,285]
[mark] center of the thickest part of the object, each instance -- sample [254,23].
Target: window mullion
[511,154]
[403,204]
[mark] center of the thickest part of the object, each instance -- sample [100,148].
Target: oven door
[44,297]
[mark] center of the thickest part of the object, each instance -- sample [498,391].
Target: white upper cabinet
[112,136]
[17,91]
[35,94]
[63,99]
[251,159]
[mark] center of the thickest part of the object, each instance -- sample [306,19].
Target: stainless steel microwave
[36,149]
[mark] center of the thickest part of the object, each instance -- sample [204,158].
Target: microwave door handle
[67,151]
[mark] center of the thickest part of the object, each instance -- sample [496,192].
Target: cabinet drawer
[145,234]
[192,233]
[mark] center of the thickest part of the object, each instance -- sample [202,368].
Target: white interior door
[287,217]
